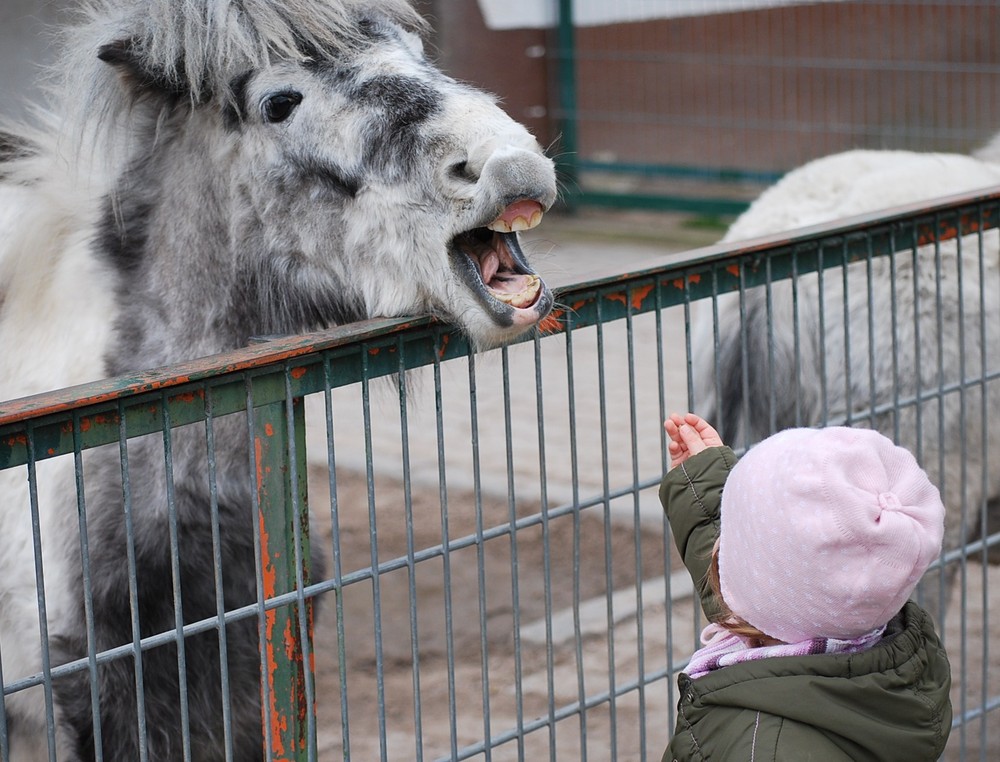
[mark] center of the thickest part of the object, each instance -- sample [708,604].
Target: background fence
[698,104]
[723,97]
[498,580]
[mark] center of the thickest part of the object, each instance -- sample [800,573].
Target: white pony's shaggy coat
[210,171]
[928,351]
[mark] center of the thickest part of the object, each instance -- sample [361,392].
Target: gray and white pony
[211,171]
[914,326]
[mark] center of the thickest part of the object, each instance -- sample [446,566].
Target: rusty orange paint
[101,420]
[288,638]
[191,396]
[297,373]
[258,453]
[279,723]
[268,573]
[444,345]
[269,429]
[578,305]
[312,651]
[638,296]
[374,351]
[293,652]
[681,283]
[552,322]
[733,270]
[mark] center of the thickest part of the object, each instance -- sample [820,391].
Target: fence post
[567,116]
[280,459]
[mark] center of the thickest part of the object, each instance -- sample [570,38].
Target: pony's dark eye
[278,107]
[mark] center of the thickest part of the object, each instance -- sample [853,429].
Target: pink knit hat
[825,533]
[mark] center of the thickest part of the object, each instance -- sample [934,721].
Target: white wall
[532,14]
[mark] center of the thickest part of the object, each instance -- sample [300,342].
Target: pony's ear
[137,73]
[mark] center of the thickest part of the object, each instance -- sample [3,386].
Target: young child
[804,562]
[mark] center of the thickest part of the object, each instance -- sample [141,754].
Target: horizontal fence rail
[460,555]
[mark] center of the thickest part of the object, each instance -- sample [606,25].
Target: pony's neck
[165,232]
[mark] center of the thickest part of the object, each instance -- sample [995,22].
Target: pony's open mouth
[490,261]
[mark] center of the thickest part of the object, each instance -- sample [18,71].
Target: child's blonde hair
[726,618]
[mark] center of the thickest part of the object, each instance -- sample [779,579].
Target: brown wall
[762,90]
[510,64]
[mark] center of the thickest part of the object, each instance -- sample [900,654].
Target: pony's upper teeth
[521,215]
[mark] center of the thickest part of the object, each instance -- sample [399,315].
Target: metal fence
[493,577]
[724,97]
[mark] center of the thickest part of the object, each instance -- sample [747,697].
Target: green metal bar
[716,174]
[280,459]
[566,117]
[655,202]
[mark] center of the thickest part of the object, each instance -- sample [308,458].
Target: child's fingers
[705,430]
[671,425]
[692,438]
[678,453]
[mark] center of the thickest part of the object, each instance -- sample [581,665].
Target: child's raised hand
[689,434]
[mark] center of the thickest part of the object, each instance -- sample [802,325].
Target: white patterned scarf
[722,648]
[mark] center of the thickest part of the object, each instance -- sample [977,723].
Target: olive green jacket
[888,703]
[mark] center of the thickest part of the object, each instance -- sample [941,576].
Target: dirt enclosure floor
[467,657]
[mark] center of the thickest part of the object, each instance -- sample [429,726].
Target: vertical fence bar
[515,587]
[602,387]
[220,604]
[281,486]
[984,446]
[4,741]
[484,650]
[336,557]
[577,537]
[567,117]
[133,584]
[636,518]
[175,578]
[411,549]
[449,630]
[544,507]
[43,620]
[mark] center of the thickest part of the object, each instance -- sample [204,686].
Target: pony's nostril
[461,171]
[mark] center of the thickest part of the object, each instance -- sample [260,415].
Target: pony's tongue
[515,289]
[498,271]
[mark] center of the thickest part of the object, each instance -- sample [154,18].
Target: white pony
[211,171]
[910,329]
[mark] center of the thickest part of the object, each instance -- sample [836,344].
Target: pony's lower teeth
[523,298]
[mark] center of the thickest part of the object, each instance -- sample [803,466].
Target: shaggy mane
[191,46]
